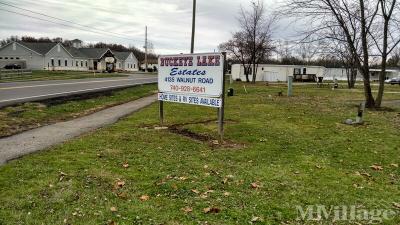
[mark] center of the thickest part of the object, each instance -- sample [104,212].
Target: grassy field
[280,153]
[55,75]
[15,119]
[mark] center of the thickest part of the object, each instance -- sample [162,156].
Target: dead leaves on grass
[255,185]
[144,198]
[211,210]
[376,167]
[187,209]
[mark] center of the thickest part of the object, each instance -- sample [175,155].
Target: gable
[59,51]
[16,49]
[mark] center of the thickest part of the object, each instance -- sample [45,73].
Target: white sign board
[192,79]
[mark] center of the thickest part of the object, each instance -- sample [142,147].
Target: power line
[67,25]
[68,21]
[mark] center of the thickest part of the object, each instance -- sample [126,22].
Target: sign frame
[220,97]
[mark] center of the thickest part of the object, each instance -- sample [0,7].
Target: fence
[11,74]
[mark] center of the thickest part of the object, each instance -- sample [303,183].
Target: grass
[289,152]
[54,75]
[15,119]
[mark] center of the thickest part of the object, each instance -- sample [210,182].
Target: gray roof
[41,48]
[75,52]
[122,55]
[93,53]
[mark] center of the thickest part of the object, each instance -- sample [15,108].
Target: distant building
[280,73]
[56,56]
[277,73]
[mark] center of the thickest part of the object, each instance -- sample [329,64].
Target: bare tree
[351,22]
[240,50]
[252,44]
[389,24]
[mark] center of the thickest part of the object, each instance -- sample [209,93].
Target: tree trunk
[369,99]
[254,73]
[382,75]
[370,102]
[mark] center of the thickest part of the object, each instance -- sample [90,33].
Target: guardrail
[9,74]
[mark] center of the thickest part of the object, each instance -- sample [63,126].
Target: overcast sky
[168,21]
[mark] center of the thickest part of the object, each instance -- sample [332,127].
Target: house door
[94,65]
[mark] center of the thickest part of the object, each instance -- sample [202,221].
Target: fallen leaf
[125,165]
[187,209]
[363,174]
[120,183]
[225,180]
[256,219]
[144,198]
[183,178]
[376,167]
[205,166]
[226,194]
[394,165]
[396,205]
[113,209]
[112,223]
[195,191]
[62,176]
[255,185]
[209,191]
[318,166]
[211,210]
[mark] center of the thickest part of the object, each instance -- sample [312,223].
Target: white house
[56,56]
[127,61]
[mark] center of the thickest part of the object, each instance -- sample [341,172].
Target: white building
[56,56]
[280,73]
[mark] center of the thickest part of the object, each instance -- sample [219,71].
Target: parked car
[12,67]
[393,81]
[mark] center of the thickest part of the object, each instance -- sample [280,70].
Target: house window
[1,57]
[86,63]
[77,63]
[304,70]
[66,63]
[52,62]
[59,62]
[81,63]
[134,66]
[17,58]
[12,58]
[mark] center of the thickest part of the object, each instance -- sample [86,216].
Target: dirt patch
[204,138]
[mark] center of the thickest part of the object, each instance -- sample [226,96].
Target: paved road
[19,92]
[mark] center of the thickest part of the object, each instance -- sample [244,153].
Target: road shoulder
[44,137]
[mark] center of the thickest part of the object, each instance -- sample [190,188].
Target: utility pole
[193,26]
[145,55]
